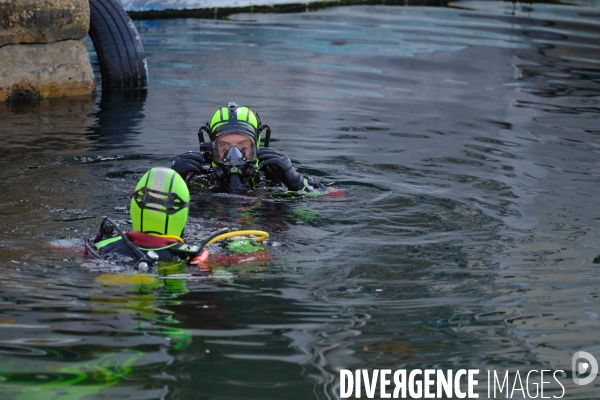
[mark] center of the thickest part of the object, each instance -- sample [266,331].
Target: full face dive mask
[235,157]
[233,127]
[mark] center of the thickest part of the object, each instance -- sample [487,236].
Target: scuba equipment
[135,243]
[159,213]
[160,203]
[236,164]
[233,118]
[233,157]
[144,260]
[225,235]
[234,133]
[159,206]
[225,144]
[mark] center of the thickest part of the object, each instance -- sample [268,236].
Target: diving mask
[235,156]
[234,149]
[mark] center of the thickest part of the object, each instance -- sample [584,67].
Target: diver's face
[242,142]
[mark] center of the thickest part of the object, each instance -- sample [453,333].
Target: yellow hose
[262,235]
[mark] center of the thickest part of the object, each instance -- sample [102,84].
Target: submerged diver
[159,212]
[234,157]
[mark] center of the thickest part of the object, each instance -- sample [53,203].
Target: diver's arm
[280,166]
[189,163]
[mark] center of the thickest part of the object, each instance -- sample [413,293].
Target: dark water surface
[466,140]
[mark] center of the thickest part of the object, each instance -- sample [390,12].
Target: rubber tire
[117,42]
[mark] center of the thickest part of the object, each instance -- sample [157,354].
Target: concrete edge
[225,12]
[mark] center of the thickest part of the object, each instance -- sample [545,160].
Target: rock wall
[43,51]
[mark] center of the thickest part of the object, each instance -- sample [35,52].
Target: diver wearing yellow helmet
[159,212]
[234,156]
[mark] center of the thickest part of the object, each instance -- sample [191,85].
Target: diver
[234,159]
[159,212]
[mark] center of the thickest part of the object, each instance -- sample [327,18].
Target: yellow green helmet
[233,118]
[160,204]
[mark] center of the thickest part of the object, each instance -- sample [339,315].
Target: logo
[584,363]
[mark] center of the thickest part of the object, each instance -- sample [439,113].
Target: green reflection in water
[142,296]
[72,382]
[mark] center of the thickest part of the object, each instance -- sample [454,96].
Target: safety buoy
[117,42]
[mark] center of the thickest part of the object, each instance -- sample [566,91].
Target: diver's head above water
[233,131]
[235,157]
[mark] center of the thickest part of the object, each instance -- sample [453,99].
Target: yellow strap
[168,237]
[262,235]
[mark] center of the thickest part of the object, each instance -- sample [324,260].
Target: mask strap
[173,203]
[267,136]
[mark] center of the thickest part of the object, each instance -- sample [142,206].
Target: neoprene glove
[282,166]
[189,162]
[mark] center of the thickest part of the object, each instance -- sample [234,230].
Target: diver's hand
[189,162]
[312,185]
[282,166]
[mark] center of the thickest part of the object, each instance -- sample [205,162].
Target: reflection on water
[464,138]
